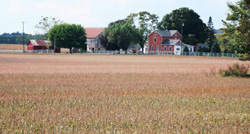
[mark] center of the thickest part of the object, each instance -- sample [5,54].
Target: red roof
[38,42]
[93,32]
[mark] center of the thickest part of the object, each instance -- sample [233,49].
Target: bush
[235,70]
[244,57]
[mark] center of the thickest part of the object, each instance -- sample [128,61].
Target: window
[178,49]
[165,48]
[152,48]
[170,48]
[157,48]
[155,33]
[155,40]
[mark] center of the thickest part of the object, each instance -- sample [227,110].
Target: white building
[93,41]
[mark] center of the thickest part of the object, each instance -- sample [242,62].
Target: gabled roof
[39,42]
[172,32]
[170,42]
[185,45]
[167,42]
[93,32]
[166,33]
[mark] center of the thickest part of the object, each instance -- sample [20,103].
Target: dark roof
[171,42]
[163,32]
[166,33]
[203,45]
[167,41]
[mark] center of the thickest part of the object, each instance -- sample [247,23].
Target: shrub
[235,70]
[244,57]
[185,49]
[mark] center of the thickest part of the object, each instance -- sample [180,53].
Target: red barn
[38,45]
[165,41]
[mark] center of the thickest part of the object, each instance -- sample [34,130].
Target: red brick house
[38,45]
[165,41]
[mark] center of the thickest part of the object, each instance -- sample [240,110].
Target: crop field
[62,93]
[12,47]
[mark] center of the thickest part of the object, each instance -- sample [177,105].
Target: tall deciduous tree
[67,36]
[122,34]
[104,40]
[46,23]
[108,45]
[192,25]
[226,43]
[211,37]
[238,24]
[146,23]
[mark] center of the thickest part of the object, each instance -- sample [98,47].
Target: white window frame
[155,40]
[157,48]
[165,48]
[170,49]
[152,47]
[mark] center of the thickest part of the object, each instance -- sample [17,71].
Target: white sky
[99,13]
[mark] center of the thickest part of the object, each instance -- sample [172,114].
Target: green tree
[146,23]
[238,24]
[185,49]
[108,45]
[192,25]
[46,23]
[203,49]
[68,36]
[104,40]
[122,34]
[211,36]
[215,47]
[226,43]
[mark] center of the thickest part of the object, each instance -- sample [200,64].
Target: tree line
[135,28]
[17,38]
[185,20]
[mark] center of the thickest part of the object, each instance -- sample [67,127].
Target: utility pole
[23,37]
[54,44]
[182,25]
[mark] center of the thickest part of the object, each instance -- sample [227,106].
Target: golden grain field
[56,93]
[12,47]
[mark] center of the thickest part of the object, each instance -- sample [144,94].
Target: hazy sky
[99,13]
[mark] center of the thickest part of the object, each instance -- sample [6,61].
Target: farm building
[93,41]
[38,45]
[167,41]
[203,47]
